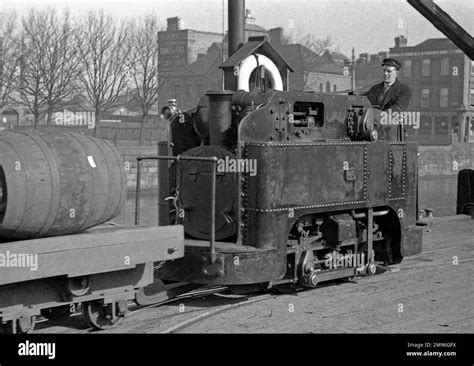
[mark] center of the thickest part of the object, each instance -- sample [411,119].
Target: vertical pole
[370,237]
[353,70]
[158,164]
[213,211]
[137,195]
[163,184]
[466,96]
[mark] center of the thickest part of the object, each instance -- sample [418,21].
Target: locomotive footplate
[233,264]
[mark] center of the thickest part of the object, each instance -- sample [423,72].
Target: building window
[472,97]
[407,68]
[445,66]
[321,87]
[470,124]
[425,67]
[472,67]
[425,125]
[443,97]
[334,88]
[441,128]
[189,93]
[328,87]
[425,98]
[455,129]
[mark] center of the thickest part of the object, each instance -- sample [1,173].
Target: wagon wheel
[6,328]
[18,326]
[57,313]
[26,325]
[102,316]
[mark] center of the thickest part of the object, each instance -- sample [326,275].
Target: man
[390,94]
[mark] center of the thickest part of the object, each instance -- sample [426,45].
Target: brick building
[313,72]
[368,71]
[191,82]
[441,78]
[189,60]
[188,74]
[180,47]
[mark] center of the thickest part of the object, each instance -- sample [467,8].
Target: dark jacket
[396,99]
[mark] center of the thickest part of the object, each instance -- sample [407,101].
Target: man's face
[390,74]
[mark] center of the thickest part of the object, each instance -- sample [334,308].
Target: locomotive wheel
[371,269]
[102,316]
[286,288]
[56,313]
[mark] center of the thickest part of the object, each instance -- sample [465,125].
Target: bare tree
[61,63]
[49,64]
[9,56]
[104,53]
[31,63]
[317,45]
[144,65]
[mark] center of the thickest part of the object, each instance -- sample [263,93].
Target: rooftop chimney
[400,42]
[276,36]
[174,24]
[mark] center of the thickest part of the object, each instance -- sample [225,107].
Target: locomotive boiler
[277,187]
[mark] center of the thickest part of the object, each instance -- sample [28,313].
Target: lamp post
[351,66]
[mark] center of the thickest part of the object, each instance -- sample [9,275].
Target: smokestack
[236,24]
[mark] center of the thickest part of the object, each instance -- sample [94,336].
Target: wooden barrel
[57,183]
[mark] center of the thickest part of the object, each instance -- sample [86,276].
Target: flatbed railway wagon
[58,190]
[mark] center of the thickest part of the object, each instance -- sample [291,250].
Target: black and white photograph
[227,179]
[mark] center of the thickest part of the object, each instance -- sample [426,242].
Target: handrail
[212,160]
[363,215]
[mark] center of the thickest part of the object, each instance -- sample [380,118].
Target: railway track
[194,309]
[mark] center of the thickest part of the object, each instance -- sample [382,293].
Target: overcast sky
[368,25]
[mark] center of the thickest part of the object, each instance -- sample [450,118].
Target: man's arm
[366,94]
[401,103]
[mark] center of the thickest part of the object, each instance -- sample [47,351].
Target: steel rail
[208,314]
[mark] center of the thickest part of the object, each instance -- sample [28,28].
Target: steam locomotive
[257,189]
[277,188]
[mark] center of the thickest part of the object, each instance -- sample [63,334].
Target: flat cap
[392,62]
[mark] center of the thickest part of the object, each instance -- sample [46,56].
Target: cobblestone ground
[431,293]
